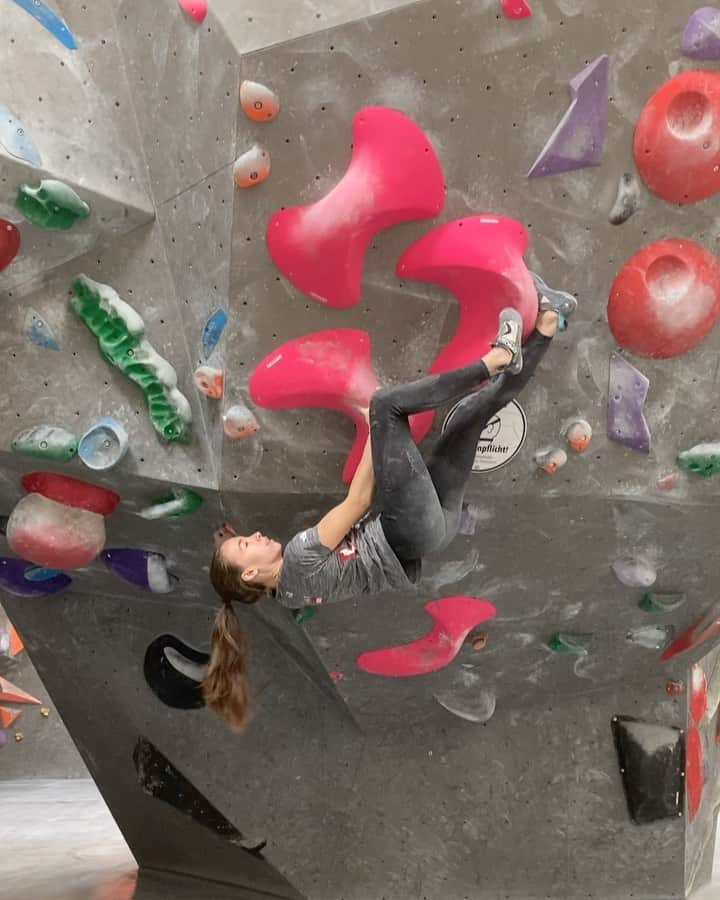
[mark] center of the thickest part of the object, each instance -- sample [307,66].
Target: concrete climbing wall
[145,126]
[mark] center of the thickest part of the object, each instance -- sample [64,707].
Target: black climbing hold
[652,764]
[159,778]
[174,672]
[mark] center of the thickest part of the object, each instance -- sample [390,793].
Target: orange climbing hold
[10,693]
[258,102]
[210,381]
[16,644]
[252,167]
[8,716]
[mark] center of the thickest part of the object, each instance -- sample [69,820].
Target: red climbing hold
[698,693]
[480,260]
[327,368]
[9,243]
[394,176]
[72,492]
[197,9]
[516,9]
[9,693]
[665,299]
[455,618]
[694,774]
[705,628]
[677,140]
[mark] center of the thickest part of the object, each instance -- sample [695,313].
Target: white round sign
[501,439]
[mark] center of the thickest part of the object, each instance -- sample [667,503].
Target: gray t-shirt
[364,563]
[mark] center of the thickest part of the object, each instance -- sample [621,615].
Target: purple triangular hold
[143,568]
[579,139]
[13,580]
[628,389]
[701,38]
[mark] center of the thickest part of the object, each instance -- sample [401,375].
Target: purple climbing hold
[579,139]
[143,568]
[13,580]
[3,738]
[628,389]
[701,38]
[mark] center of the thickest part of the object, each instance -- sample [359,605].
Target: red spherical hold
[677,139]
[665,299]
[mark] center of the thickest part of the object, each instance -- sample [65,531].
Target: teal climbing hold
[565,642]
[180,502]
[702,459]
[46,442]
[121,337]
[41,573]
[51,205]
[304,614]
[663,603]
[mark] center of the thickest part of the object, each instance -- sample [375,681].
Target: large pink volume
[480,260]
[326,368]
[394,176]
[455,617]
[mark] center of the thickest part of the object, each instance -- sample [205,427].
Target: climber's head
[244,569]
[245,563]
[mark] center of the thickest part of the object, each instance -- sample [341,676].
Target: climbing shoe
[509,337]
[561,302]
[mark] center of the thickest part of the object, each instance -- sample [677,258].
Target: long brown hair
[225,686]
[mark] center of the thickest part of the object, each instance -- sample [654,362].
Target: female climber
[416,504]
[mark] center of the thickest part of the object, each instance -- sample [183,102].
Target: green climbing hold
[564,642]
[52,205]
[662,603]
[121,337]
[179,502]
[703,459]
[304,614]
[46,442]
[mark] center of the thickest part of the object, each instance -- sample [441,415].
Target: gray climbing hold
[627,200]
[701,38]
[466,699]
[627,391]
[103,445]
[634,572]
[579,139]
[15,139]
[651,637]
[38,330]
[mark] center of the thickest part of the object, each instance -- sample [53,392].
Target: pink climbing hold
[394,176]
[327,368]
[455,618]
[480,260]
[516,9]
[196,9]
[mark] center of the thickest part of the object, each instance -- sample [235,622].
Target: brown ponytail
[225,686]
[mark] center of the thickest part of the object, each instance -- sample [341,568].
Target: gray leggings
[420,503]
